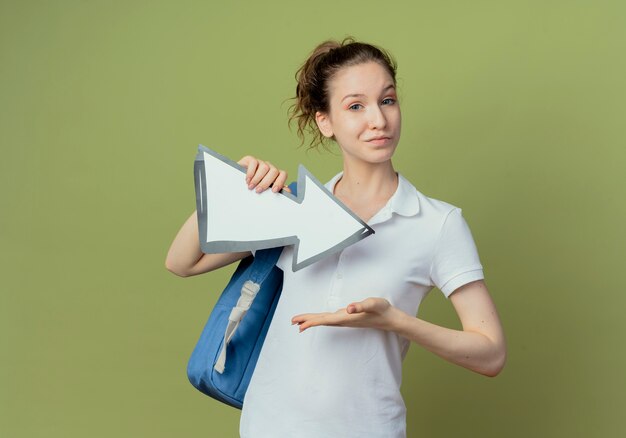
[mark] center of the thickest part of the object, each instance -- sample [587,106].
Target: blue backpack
[223,360]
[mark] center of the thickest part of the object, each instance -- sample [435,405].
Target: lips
[380,141]
[382,137]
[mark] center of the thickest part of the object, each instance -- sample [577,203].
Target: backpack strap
[262,265]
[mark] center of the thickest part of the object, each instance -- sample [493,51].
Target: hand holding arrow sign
[232,218]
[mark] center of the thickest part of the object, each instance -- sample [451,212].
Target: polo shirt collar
[404,201]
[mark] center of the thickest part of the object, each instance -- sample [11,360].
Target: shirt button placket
[342,259]
[335,290]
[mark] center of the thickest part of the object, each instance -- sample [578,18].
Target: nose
[377,119]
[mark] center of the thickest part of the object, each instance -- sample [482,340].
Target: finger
[325,319]
[244,160]
[306,316]
[298,319]
[305,325]
[303,322]
[251,164]
[308,320]
[287,189]
[260,172]
[279,183]
[268,179]
[354,308]
[368,305]
[358,307]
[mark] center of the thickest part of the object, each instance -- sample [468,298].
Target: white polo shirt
[343,382]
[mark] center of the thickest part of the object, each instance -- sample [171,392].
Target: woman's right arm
[185,258]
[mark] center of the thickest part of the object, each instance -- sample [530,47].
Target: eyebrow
[363,95]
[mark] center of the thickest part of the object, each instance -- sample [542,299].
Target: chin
[372,154]
[378,158]
[383,153]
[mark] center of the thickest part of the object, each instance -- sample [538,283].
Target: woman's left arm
[480,346]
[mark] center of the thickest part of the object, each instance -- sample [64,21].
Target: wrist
[397,320]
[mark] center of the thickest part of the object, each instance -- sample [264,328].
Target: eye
[389,100]
[354,106]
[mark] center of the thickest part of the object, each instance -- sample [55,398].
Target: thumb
[355,308]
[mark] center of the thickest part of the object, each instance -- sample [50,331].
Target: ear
[324,125]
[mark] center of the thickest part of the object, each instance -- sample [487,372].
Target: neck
[366,180]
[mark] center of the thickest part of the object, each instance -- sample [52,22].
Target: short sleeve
[455,261]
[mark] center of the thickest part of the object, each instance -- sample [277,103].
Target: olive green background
[513,111]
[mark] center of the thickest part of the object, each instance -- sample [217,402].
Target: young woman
[331,362]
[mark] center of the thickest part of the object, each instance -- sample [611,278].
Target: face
[364,115]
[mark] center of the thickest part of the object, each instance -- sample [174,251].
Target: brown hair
[314,75]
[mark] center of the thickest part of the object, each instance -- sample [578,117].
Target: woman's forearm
[480,348]
[469,349]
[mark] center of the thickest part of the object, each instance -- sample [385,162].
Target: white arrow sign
[233,218]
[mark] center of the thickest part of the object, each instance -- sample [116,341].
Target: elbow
[176,270]
[493,370]
[496,364]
